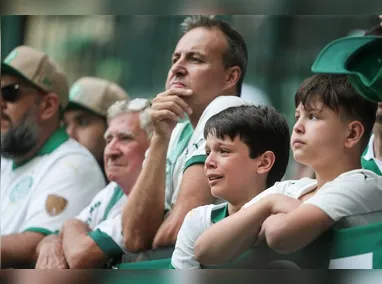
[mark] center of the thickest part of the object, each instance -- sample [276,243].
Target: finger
[173,99]
[171,106]
[160,115]
[178,92]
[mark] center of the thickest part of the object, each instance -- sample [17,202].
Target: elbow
[201,255]
[135,243]
[276,241]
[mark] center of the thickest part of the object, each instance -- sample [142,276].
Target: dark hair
[374,31]
[335,92]
[261,128]
[236,53]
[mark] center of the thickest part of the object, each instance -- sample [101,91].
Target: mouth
[212,179]
[178,85]
[298,142]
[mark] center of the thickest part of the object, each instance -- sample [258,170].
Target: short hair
[335,92]
[142,106]
[236,53]
[261,128]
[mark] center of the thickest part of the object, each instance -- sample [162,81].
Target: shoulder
[357,178]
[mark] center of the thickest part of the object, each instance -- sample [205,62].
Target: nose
[71,131]
[112,149]
[179,68]
[299,126]
[210,162]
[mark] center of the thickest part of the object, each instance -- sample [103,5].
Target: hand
[280,203]
[167,108]
[269,220]
[51,256]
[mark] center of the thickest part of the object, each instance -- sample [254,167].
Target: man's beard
[21,139]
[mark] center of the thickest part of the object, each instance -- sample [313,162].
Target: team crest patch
[55,204]
[21,189]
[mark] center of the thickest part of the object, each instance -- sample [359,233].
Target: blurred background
[135,51]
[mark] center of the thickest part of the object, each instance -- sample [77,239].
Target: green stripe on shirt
[106,243]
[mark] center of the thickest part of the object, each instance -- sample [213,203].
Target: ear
[49,106]
[267,159]
[354,134]
[232,77]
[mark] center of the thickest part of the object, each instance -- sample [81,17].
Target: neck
[232,209]
[377,145]
[329,172]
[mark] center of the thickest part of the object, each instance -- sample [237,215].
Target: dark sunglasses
[10,93]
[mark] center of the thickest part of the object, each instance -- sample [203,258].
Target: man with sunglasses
[208,68]
[46,177]
[85,115]
[95,235]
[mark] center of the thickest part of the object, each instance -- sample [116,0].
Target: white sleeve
[278,187]
[355,194]
[108,236]
[183,256]
[93,213]
[68,186]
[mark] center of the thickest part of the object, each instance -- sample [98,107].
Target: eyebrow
[188,53]
[118,133]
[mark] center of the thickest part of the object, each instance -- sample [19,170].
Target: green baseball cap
[360,57]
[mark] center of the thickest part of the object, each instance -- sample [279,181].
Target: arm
[79,249]
[50,253]
[194,192]
[229,238]
[19,250]
[286,233]
[144,212]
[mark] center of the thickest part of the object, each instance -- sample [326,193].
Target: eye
[313,116]
[208,152]
[195,59]
[83,122]
[223,151]
[174,60]
[297,117]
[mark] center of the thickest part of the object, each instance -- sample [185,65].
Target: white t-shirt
[369,161]
[103,215]
[187,146]
[196,222]
[353,198]
[48,189]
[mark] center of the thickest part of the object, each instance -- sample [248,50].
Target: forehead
[202,40]
[128,122]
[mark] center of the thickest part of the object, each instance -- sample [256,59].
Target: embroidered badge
[55,204]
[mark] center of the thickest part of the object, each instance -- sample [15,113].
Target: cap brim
[9,70]
[333,56]
[74,105]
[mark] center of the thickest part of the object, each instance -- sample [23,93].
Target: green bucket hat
[360,57]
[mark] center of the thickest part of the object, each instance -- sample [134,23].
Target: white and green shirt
[53,186]
[187,147]
[196,222]
[103,216]
[368,159]
[351,199]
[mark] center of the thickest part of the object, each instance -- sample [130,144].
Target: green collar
[219,214]
[54,141]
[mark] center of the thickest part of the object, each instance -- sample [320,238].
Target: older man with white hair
[95,236]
